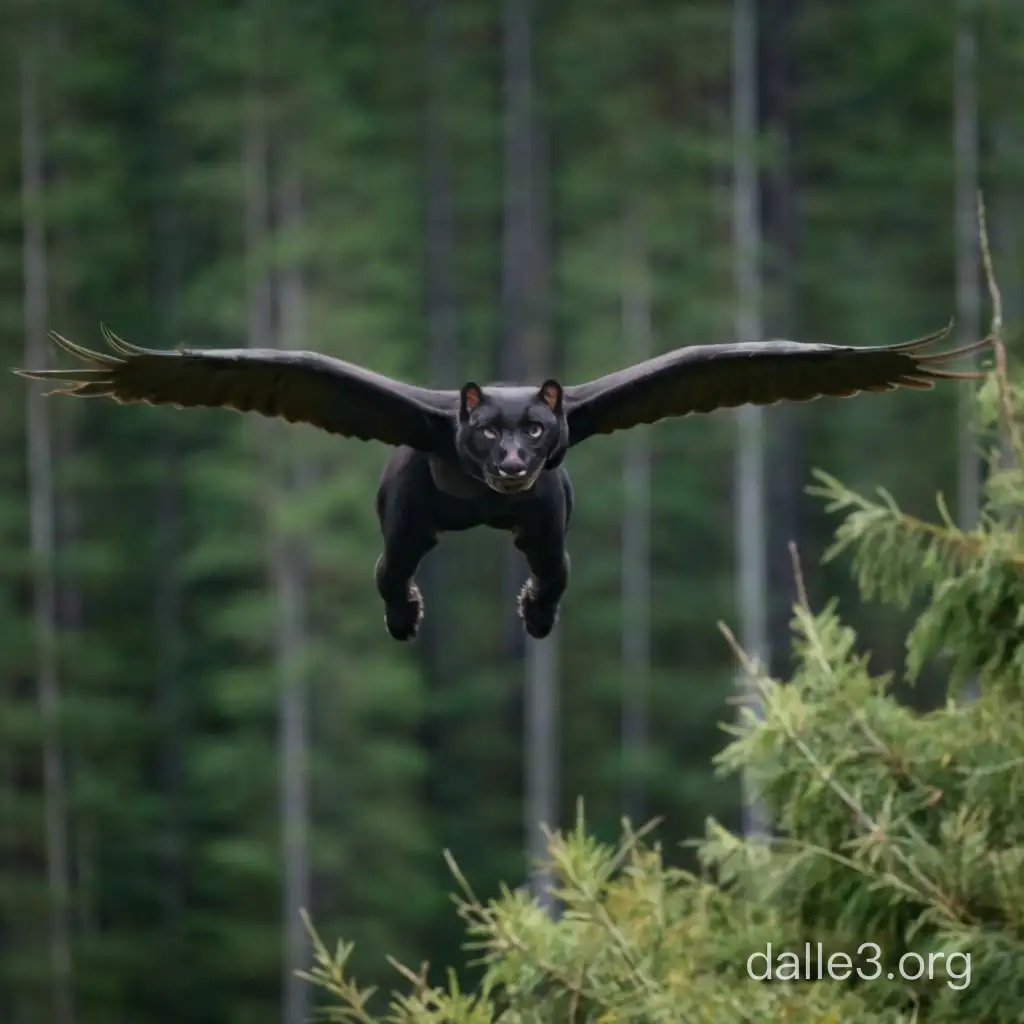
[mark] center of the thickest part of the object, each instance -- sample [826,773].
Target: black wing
[301,387]
[708,377]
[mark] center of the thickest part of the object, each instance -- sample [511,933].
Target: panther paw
[403,620]
[538,617]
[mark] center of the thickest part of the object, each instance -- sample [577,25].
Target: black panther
[490,456]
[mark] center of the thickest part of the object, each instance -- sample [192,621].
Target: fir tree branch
[1010,421]
[895,555]
[798,575]
[602,916]
[873,832]
[891,757]
[329,974]
[963,544]
[474,912]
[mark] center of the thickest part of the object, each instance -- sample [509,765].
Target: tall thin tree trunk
[442,309]
[290,585]
[518,229]
[516,249]
[438,575]
[256,166]
[1006,224]
[542,680]
[968,296]
[785,484]
[526,350]
[751,531]
[283,559]
[42,523]
[636,532]
[168,512]
[168,629]
[541,760]
[70,622]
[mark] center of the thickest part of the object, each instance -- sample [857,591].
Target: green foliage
[898,836]
[636,941]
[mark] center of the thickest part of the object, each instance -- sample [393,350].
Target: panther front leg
[408,534]
[406,541]
[549,577]
[393,575]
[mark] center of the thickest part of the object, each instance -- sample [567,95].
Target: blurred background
[203,723]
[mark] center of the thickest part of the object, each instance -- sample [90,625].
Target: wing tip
[118,344]
[83,353]
[940,359]
[934,365]
[926,339]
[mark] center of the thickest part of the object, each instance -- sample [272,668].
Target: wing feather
[300,387]
[703,378]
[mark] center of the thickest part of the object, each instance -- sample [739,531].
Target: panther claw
[538,618]
[403,621]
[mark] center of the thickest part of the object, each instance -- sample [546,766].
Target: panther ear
[550,394]
[469,398]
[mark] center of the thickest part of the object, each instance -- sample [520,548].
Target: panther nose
[512,466]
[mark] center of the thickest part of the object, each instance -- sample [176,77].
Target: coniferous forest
[204,726]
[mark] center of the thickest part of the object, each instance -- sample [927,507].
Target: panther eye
[490,433]
[534,430]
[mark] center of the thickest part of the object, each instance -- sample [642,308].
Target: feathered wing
[703,378]
[300,387]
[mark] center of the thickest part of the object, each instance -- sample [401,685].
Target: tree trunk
[968,296]
[42,525]
[1006,221]
[525,351]
[283,559]
[291,587]
[70,622]
[636,533]
[442,303]
[751,530]
[442,324]
[542,656]
[517,243]
[785,483]
[168,513]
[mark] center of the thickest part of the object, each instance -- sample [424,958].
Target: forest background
[203,724]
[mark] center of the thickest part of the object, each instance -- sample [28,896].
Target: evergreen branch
[1012,765]
[329,974]
[421,988]
[488,921]
[851,863]
[602,916]
[896,554]
[897,763]
[962,543]
[1010,421]
[990,277]
[929,890]
[827,775]
[798,575]
[574,999]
